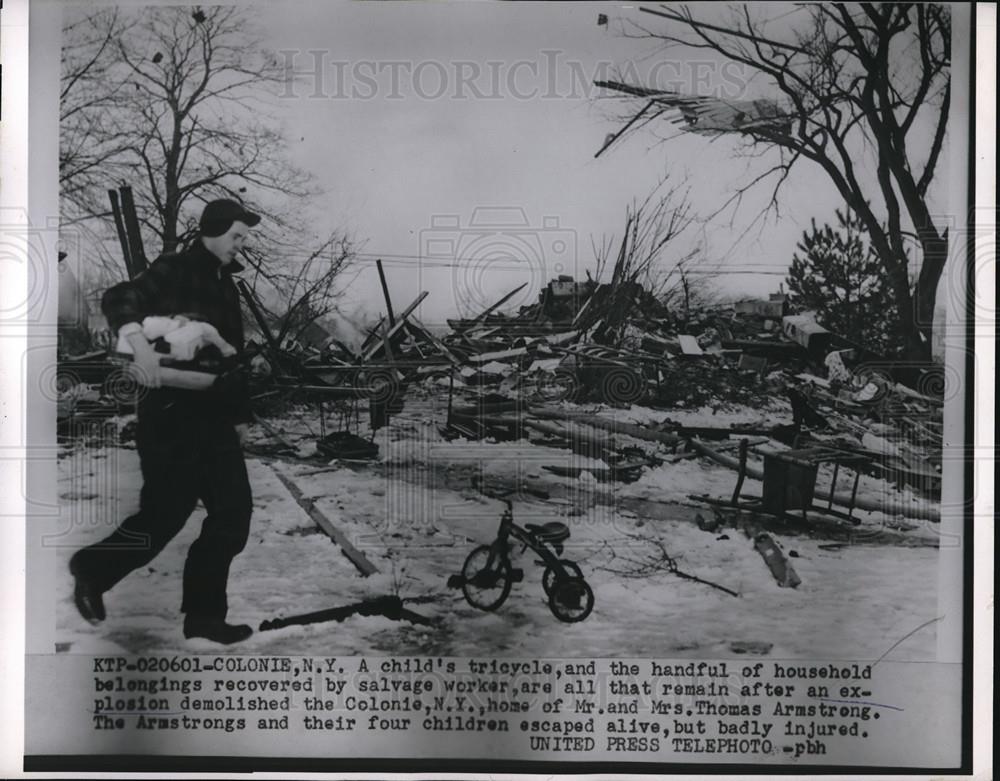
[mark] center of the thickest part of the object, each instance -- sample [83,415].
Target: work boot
[87,597]
[215,629]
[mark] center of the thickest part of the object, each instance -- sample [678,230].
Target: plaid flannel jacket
[193,283]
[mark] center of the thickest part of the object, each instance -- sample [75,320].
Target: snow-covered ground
[416,517]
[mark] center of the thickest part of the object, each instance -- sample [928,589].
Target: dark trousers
[186,453]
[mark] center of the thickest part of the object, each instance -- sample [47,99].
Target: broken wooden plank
[592,442]
[616,426]
[594,353]
[395,329]
[372,334]
[464,325]
[356,557]
[561,338]
[132,231]
[122,235]
[581,310]
[385,292]
[415,325]
[500,355]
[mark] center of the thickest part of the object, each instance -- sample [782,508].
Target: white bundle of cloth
[185,336]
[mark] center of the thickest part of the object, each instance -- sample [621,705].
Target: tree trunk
[935,252]
[170,217]
[914,347]
[171,188]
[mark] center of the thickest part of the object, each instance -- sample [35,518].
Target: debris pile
[569,369]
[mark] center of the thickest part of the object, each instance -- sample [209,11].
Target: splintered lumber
[909,392]
[136,253]
[386,344]
[501,355]
[464,325]
[561,338]
[385,292]
[356,557]
[372,334]
[395,329]
[416,326]
[599,355]
[581,310]
[618,427]
[585,444]
[576,438]
[843,499]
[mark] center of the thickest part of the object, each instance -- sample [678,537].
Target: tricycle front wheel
[571,599]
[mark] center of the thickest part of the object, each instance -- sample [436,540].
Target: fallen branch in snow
[659,562]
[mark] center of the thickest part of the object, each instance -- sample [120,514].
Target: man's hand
[242,430]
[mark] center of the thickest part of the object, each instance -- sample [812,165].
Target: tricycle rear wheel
[486,578]
[550,576]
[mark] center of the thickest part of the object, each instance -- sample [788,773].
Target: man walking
[189,442]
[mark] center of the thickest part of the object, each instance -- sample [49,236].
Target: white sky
[406,151]
[393,154]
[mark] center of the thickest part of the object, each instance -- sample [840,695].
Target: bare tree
[857,82]
[198,117]
[90,157]
[184,97]
[89,89]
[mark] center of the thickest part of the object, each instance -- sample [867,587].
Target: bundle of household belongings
[192,353]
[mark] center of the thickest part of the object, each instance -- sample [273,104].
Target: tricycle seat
[553,532]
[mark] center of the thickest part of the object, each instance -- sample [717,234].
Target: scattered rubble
[561,373]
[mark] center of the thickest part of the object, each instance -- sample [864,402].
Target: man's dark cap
[220,215]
